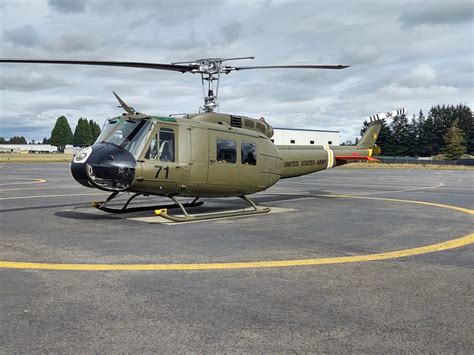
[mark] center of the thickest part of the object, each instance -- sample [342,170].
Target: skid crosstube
[125,209]
[205,216]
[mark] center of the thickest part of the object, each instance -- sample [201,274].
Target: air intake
[236,121]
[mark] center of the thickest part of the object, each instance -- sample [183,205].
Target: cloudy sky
[412,54]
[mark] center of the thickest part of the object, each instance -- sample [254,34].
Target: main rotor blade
[294,67]
[172,67]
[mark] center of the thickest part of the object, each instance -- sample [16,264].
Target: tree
[82,133]
[401,137]
[415,133]
[17,140]
[61,134]
[455,144]
[425,135]
[95,130]
[465,118]
[2,140]
[46,140]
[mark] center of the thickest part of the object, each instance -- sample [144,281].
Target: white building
[299,136]
[27,148]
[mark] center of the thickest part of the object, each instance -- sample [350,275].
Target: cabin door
[223,166]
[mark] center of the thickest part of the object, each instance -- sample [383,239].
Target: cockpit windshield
[126,133]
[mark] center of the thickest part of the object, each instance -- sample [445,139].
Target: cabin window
[292,141]
[226,150]
[329,142]
[162,146]
[311,142]
[273,141]
[248,153]
[166,151]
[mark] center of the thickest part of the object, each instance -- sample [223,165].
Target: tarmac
[349,260]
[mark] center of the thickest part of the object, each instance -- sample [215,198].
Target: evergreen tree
[17,140]
[424,136]
[46,140]
[465,122]
[414,136]
[95,130]
[400,135]
[82,133]
[61,134]
[436,117]
[2,140]
[454,140]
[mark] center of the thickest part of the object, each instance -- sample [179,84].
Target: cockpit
[128,134]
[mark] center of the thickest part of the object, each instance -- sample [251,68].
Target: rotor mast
[211,70]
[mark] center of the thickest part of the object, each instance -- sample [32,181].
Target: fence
[411,160]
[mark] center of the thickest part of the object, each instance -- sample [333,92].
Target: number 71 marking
[159,168]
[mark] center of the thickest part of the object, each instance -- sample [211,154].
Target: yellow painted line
[48,196]
[34,181]
[447,245]
[455,208]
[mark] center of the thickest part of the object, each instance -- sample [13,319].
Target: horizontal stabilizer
[355,158]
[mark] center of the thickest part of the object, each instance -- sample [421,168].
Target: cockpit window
[108,127]
[162,146]
[127,134]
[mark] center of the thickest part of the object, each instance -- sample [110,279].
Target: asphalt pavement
[349,260]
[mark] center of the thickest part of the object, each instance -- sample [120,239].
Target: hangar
[300,136]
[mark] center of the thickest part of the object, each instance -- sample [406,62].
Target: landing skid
[125,209]
[204,216]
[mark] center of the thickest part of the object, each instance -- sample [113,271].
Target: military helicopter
[205,154]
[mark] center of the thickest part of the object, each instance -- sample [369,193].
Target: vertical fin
[370,136]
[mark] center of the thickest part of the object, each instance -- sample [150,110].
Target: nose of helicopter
[105,166]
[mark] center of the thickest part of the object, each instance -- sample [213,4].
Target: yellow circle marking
[33,181]
[450,244]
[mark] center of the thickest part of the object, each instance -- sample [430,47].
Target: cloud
[231,32]
[24,36]
[433,91]
[401,53]
[68,6]
[73,42]
[28,81]
[421,75]
[436,13]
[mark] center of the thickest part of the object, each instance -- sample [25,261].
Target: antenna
[124,105]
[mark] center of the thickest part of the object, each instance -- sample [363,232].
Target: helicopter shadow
[210,205]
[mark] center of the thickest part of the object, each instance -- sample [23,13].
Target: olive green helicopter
[205,154]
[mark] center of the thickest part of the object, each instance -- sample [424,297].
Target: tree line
[446,130]
[14,140]
[85,134]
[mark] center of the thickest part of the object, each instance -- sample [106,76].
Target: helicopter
[198,155]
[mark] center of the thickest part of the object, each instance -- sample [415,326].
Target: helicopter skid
[186,217]
[125,209]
